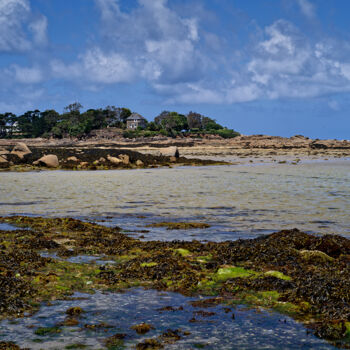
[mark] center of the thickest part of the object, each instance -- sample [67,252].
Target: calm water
[238,201]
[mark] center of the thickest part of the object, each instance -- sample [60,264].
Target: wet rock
[74,311]
[114,160]
[115,340]
[142,328]
[50,160]
[73,159]
[315,256]
[149,344]
[70,322]
[21,149]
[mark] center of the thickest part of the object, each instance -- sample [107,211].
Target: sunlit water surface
[238,201]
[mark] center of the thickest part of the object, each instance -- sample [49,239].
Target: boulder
[173,159]
[139,162]
[114,160]
[102,160]
[172,151]
[73,159]
[21,149]
[124,158]
[50,160]
[84,164]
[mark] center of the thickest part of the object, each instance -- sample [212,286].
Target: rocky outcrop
[50,160]
[21,150]
[3,162]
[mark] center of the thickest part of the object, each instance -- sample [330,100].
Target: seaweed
[304,276]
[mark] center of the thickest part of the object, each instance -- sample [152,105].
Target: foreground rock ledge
[304,276]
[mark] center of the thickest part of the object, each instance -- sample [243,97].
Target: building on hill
[135,120]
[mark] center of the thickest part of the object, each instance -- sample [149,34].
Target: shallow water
[250,329]
[238,201]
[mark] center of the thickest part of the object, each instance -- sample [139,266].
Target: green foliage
[73,123]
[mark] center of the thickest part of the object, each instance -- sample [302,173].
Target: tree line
[74,123]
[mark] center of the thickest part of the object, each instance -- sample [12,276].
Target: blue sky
[278,67]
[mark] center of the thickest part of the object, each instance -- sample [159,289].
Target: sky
[276,67]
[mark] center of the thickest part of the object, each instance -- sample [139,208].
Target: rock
[114,160]
[84,164]
[50,161]
[21,149]
[173,159]
[102,160]
[4,152]
[73,159]
[172,151]
[315,256]
[3,162]
[139,162]
[125,159]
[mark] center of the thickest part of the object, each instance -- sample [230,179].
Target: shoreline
[288,271]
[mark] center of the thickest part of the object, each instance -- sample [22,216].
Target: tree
[194,120]
[73,107]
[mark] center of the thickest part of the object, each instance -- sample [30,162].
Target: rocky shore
[304,276]
[240,149]
[20,157]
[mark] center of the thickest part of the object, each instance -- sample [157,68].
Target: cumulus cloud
[16,20]
[151,42]
[96,66]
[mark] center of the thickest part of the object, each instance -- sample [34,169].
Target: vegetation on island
[74,123]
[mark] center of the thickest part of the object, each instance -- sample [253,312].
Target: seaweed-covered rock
[315,256]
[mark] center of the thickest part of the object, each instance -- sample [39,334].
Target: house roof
[136,116]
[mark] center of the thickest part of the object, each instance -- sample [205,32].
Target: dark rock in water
[8,346]
[142,328]
[149,344]
[74,311]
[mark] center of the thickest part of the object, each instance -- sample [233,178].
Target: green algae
[148,264]
[277,274]
[183,252]
[228,272]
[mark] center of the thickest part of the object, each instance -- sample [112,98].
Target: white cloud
[15,18]
[26,75]
[95,66]
[307,8]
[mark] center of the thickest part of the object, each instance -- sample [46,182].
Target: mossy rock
[315,256]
